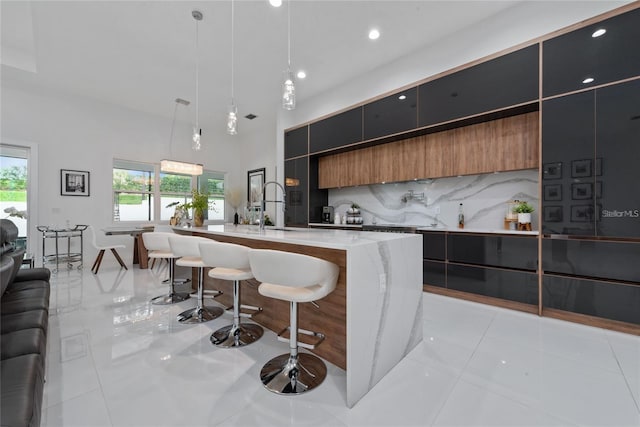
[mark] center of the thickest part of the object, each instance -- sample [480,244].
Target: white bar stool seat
[157,243]
[231,262]
[188,249]
[295,278]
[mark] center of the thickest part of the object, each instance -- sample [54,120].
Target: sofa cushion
[24,320]
[22,381]
[25,341]
[6,270]
[18,256]
[8,231]
[28,274]
[23,304]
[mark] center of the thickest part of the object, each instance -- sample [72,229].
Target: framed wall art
[255,181]
[74,183]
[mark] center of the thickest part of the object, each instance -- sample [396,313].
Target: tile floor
[116,360]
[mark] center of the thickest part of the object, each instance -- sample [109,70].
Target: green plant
[199,201]
[523,207]
[355,206]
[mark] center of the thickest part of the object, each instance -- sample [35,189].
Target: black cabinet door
[617,163]
[571,58]
[296,142]
[568,134]
[296,184]
[434,273]
[592,297]
[336,131]
[510,285]
[508,80]
[434,245]
[519,252]
[592,258]
[317,197]
[390,115]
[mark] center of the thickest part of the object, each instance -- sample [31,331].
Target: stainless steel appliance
[327,214]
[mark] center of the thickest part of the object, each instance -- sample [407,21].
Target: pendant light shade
[232,120]
[197,132]
[288,86]
[174,166]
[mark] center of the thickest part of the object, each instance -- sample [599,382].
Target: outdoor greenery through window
[142,193]
[13,188]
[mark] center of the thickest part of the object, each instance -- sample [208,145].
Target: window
[142,193]
[13,188]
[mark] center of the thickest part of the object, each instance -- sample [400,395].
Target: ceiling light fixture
[173,166]
[275,3]
[197,131]
[301,74]
[288,87]
[374,34]
[232,113]
[599,32]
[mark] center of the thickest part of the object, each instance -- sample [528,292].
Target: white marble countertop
[323,238]
[479,230]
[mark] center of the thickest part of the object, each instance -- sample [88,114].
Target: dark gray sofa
[24,319]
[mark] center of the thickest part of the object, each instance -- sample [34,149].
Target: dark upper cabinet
[568,133]
[590,155]
[519,252]
[508,80]
[393,114]
[336,131]
[296,142]
[616,167]
[297,186]
[571,58]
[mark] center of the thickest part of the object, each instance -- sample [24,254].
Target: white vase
[524,218]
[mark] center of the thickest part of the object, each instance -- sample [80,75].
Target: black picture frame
[581,168]
[552,170]
[255,182]
[582,213]
[74,183]
[553,192]
[581,191]
[552,213]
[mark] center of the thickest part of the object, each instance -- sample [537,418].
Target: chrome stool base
[287,374]
[200,314]
[236,336]
[171,298]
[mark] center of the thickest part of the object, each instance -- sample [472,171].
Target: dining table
[140,255]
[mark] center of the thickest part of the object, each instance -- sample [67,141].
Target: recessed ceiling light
[588,80]
[275,3]
[599,32]
[402,97]
[374,34]
[301,74]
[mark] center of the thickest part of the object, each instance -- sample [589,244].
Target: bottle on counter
[336,218]
[460,217]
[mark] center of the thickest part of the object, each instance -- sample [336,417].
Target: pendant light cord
[197,78]
[232,51]
[289,35]
[173,123]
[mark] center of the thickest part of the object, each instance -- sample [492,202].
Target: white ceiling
[141,55]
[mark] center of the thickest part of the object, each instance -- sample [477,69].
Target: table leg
[140,251]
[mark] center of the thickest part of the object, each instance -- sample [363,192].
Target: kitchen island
[372,320]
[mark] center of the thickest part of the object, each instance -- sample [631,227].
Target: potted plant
[354,209]
[523,209]
[199,203]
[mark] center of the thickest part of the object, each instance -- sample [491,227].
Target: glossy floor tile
[116,360]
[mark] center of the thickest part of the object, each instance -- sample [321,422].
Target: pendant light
[174,166]
[288,87]
[232,112]
[197,131]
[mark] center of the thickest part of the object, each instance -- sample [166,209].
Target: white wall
[78,133]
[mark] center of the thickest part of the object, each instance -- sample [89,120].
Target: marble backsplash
[436,201]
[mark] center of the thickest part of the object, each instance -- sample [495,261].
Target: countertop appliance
[327,214]
[390,228]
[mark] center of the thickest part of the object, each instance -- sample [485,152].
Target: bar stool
[295,278]
[188,250]
[231,262]
[157,243]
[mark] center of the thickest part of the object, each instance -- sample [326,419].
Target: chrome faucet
[264,202]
